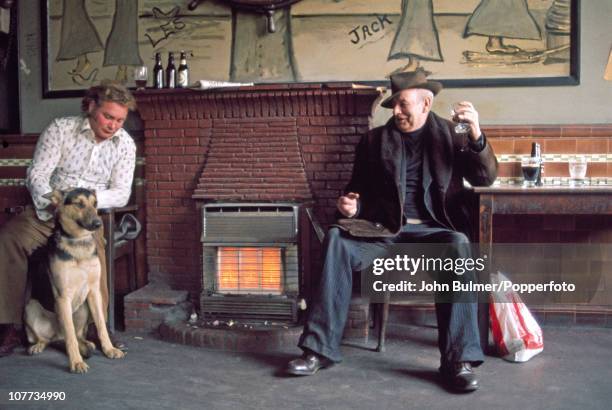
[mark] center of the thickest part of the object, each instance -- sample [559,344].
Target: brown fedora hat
[411,79]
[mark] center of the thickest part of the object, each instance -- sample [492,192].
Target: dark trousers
[458,336]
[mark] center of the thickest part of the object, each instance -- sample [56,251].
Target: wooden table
[544,200]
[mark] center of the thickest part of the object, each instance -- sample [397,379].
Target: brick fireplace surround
[287,143]
[312,126]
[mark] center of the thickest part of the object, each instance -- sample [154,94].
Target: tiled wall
[15,155]
[559,144]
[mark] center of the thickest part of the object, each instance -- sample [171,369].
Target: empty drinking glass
[460,127]
[577,170]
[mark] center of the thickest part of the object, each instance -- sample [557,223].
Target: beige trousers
[19,238]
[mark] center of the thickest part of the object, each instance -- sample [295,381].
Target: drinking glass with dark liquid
[141,75]
[531,169]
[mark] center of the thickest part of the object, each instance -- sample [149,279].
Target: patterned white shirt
[68,156]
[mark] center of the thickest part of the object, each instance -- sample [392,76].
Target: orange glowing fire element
[249,270]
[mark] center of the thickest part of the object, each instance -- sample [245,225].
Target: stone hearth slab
[239,339]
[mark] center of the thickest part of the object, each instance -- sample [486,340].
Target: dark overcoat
[447,160]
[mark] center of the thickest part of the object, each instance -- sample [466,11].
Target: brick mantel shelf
[272,100]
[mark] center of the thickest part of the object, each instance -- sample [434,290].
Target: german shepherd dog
[74,270]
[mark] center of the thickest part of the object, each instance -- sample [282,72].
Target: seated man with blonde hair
[90,151]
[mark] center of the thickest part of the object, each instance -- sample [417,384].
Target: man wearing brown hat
[406,187]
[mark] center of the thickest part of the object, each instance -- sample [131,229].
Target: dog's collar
[75,241]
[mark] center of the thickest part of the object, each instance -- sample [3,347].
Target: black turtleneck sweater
[414,145]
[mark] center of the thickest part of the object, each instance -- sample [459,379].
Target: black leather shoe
[308,364]
[460,377]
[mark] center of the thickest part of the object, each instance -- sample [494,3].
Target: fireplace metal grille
[249,223]
[249,307]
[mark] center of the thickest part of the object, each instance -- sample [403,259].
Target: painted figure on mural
[500,19]
[257,52]
[78,38]
[258,55]
[416,37]
[122,43]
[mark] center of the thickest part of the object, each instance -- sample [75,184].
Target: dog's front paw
[79,367]
[37,348]
[114,353]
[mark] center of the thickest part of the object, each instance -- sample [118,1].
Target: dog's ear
[56,196]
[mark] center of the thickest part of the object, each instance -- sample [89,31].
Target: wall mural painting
[461,42]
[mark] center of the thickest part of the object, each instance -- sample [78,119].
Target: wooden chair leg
[483,327]
[115,248]
[383,316]
[132,267]
[108,218]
